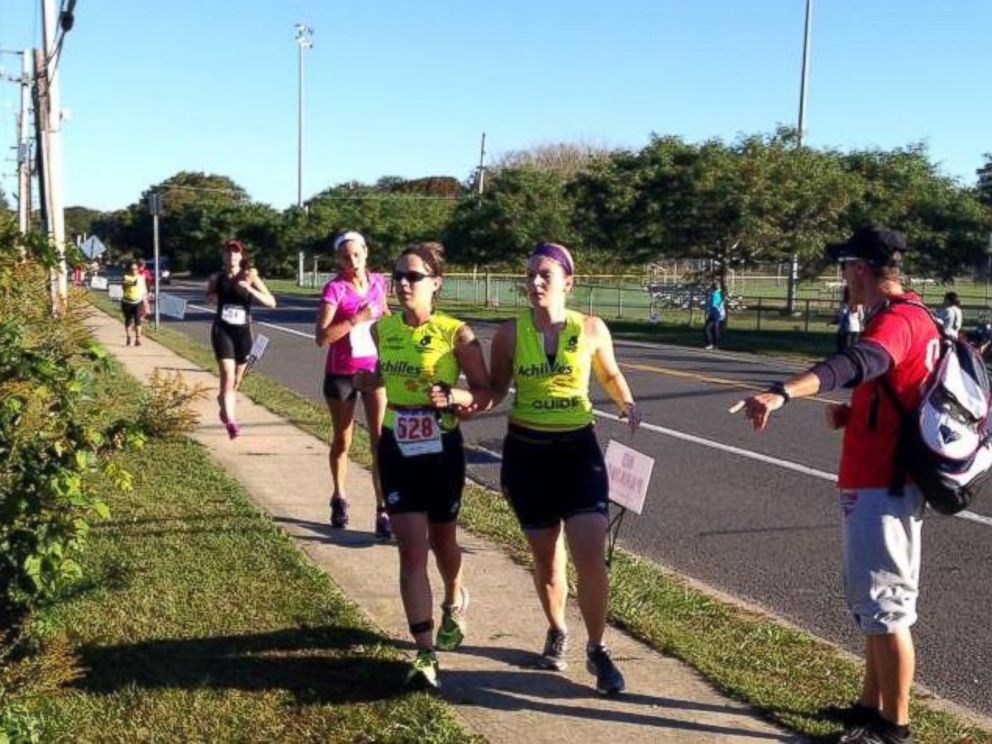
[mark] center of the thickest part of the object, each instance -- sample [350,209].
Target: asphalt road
[753,515]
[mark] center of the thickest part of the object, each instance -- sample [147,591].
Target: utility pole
[155,207]
[49,111]
[304,40]
[482,165]
[803,86]
[23,148]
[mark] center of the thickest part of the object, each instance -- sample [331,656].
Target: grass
[786,673]
[199,620]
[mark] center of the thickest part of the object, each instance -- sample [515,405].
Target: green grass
[199,620]
[786,673]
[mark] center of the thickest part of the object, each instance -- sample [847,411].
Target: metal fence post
[758,326]
[692,305]
[807,316]
[620,302]
[590,299]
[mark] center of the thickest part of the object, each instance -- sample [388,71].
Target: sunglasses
[412,277]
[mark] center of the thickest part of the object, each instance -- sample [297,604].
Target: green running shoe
[453,624]
[425,670]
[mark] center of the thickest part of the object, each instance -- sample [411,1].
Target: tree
[521,206]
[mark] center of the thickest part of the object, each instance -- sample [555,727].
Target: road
[753,515]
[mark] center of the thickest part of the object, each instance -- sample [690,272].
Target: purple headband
[557,253]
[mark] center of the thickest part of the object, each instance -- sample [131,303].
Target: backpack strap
[899,464]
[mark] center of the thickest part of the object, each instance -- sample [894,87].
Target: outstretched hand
[758,408]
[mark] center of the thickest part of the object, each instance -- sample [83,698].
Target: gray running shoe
[879,732]
[383,529]
[555,645]
[609,681]
[339,512]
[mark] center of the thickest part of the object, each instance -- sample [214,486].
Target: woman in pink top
[350,303]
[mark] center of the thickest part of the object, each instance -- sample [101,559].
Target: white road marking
[740,452]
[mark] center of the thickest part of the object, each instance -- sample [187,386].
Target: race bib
[233,315]
[361,340]
[417,432]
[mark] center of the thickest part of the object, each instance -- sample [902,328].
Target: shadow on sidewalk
[314,664]
[554,694]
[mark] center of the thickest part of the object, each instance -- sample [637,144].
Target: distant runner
[553,470]
[134,299]
[233,290]
[421,460]
[349,304]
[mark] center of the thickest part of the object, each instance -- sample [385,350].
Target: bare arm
[477,398]
[257,289]
[212,289]
[604,364]
[326,332]
[501,361]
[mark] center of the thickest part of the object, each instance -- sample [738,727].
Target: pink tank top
[354,351]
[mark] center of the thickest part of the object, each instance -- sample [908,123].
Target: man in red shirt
[882,510]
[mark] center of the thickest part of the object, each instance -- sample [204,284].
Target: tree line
[760,198]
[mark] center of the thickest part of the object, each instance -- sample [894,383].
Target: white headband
[349,235]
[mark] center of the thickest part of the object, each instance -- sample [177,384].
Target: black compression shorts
[339,387]
[231,342]
[430,483]
[549,477]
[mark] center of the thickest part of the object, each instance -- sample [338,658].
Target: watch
[779,389]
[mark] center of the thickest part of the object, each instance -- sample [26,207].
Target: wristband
[778,388]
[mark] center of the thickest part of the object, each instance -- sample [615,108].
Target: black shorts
[426,483]
[549,477]
[132,312]
[231,342]
[339,387]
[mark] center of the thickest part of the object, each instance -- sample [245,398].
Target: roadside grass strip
[786,673]
[199,620]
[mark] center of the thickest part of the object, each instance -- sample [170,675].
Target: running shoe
[128,341]
[339,512]
[555,645]
[137,342]
[424,670]
[233,430]
[609,681]
[453,624]
[879,732]
[383,530]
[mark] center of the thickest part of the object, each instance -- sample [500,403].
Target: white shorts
[882,557]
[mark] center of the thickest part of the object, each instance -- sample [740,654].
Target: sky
[406,88]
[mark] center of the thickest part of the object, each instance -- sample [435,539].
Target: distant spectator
[850,322]
[950,314]
[716,315]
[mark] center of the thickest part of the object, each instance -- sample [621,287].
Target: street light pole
[803,85]
[303,39]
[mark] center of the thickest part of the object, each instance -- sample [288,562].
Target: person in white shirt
[950,314]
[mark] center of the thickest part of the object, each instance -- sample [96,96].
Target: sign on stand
[174,307]
[98,282]
[258,347]
[629,474]
[115,292]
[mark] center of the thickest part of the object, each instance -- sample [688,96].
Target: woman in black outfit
[233,290]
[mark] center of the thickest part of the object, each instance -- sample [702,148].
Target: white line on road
[740,452]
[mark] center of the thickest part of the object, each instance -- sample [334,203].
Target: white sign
[258,347]
[115,292]
[92,247]
[98,282]
[174,307]
[630,473]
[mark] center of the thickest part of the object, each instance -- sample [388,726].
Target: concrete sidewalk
[492,682]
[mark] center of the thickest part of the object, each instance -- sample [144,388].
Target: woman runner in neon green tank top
[421,354]
[553,472]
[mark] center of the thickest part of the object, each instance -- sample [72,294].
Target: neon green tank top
[551,396]
[131,287]
[413,359]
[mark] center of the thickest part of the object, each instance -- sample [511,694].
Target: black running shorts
[132,313]
[339,387]
[231,342]
[427,483]
[549,477]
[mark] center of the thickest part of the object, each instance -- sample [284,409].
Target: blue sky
[406,88]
